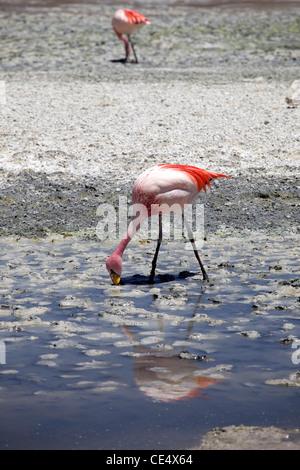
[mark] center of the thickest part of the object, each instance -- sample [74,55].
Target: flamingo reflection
[164,376]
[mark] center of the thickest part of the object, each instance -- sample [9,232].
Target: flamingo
[127,22]
[156,191]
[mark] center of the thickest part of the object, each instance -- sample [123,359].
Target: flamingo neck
[125,40]
[123,244]
[133,228]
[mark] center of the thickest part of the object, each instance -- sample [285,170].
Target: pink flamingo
[159,190]
[127,22]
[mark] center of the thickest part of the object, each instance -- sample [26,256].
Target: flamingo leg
[151,279]
[192,240]
[132,47]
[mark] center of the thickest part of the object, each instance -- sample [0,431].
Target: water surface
[94,366]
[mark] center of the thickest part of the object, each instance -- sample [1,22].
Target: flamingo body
[128,22]
[170,184]
[163,188]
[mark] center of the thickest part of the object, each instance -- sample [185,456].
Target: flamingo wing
[199,176]
[134,17]
[171,184]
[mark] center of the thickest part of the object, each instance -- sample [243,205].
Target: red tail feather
[200,176]
[134,17]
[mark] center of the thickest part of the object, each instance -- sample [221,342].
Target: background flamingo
[156,191]
[127,22]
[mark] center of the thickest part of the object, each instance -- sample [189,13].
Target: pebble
[250,334]
[292,381]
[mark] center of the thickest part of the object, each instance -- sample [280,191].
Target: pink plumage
[158,189]
[128,22]
[171,184]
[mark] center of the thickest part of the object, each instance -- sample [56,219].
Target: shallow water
[94,366]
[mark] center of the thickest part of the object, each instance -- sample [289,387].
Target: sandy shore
[210,90]
[250,438]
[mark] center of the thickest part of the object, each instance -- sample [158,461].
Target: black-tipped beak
[115,277]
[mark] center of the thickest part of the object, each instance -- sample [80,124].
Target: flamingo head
[114,268]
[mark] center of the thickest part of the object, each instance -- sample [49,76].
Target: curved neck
[126,42]
[122,245]
[133,227]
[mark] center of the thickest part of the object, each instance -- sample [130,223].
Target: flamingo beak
[115,277]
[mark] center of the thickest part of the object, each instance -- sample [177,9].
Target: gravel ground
[69,147]
[210,90]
